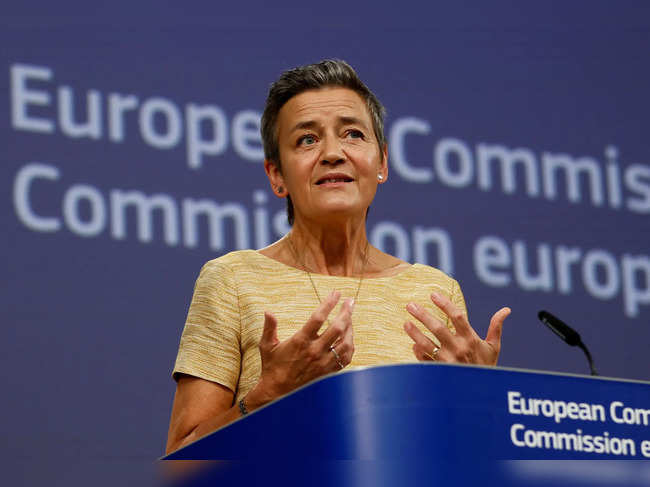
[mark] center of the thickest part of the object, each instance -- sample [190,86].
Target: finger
[270,331]
[419,354]
[440,330]
[339,326]
[493,336]
[428,355]
[346,344]
[455,314]
[336,360]
[319,316]
[424,346]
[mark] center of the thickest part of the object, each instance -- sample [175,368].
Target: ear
[383,169]
[275,179]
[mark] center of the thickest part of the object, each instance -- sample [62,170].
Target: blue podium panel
[438,411]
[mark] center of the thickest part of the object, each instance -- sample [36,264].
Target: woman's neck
[338,250]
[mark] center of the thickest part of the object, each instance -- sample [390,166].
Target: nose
[332,151]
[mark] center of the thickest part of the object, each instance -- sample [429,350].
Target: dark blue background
[91,325]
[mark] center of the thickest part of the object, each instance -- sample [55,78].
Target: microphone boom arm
[567,334]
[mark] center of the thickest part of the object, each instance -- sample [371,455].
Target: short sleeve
[457,297]
[458,300]
[210,343]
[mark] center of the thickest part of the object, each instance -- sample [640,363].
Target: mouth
[334,179]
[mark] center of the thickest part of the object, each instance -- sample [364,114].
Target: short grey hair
[330,72]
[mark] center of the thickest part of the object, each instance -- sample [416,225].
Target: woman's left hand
[465,346]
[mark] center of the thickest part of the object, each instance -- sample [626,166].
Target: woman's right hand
[306,355]
[202,406]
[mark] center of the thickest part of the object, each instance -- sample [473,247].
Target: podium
[420,423]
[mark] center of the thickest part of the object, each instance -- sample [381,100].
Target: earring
[380,177]
[279,189]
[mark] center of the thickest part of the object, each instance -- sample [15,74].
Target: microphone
[566,333]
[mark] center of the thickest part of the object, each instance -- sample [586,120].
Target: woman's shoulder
[236,257]
[240,261]
[427,273]
[387,265]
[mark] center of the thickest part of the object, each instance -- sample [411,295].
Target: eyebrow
[352,121]
[304,125]
[310,124]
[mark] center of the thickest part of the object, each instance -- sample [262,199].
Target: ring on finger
[434,354]
[336,356]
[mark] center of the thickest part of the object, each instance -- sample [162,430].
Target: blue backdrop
[130,155]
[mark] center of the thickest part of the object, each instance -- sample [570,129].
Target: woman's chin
[340,212]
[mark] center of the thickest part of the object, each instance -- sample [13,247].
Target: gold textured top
[226,316]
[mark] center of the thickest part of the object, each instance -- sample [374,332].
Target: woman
[263,323]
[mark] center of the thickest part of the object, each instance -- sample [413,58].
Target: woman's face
[330,157]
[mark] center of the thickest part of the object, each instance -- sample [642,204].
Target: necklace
[306,269]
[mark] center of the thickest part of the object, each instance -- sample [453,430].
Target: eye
[307,139]
[355,134]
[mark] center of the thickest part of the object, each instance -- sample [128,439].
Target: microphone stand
[567,334]
[591,361]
